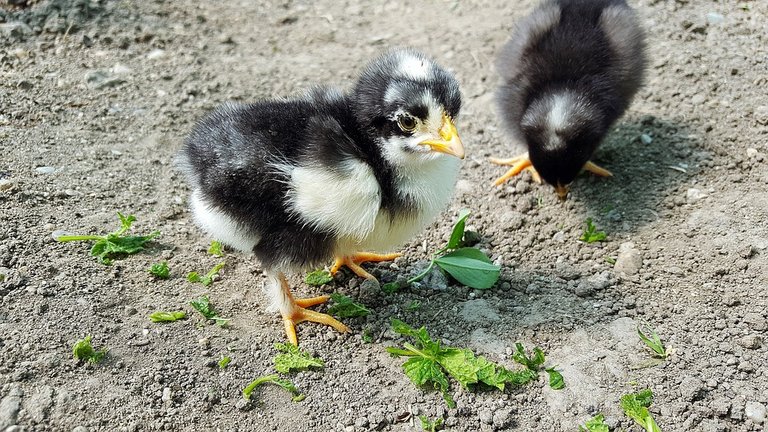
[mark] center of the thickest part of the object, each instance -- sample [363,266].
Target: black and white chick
[569,71]
[300,181]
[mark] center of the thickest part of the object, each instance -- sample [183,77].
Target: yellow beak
[449,142]
[562,191]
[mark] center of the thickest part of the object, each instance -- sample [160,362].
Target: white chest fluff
[347,202]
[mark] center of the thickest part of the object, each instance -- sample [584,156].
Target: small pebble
[694,195]
[714,18]
[45,170]
[755,411]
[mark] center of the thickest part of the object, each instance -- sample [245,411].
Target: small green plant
[469,266]
[431,425]
[204,306]
[414,305]
[345,307]
[392,287]
[635,406]
[216,249]
[556,381]
[83,351]
[610,260]
[595,424]
[160,270]
[591,234]
[367,336]
[652,340]
[292,358]
[276,380]
[224,362]
[209,277]
[163,316]
[318,277]
[429,363]
[115,244]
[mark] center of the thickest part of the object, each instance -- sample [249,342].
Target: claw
[353,262]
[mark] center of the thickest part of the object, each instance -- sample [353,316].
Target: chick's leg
[294,310]
[597,170]
[353,262]
[519,164]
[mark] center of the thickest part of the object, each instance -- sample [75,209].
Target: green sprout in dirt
[345,307]
[414,305]
[209,277]
[216,249]
[276,380]
[468,265]
[163,316]
[591,234]
[367,337]
[83,351]
[556,381]
[204,306]
[115,244]
[431,425]
[224,362]
[293,358]
[318,277]
[429,363]
[635,406]
[649,336]
[595,424]
[160,270]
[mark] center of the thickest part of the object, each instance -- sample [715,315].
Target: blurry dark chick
[300,181]
[569,71]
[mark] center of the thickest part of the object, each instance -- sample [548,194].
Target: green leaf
[204,306]
[113,245]
[460,365]
[431,425]
[345,307]
[414,305]
[209,277]
[533,363]
[458,230]
[167,316]
[556,381]
[160,270]
[318,277]
[293,358]
[635,406]
[276,380]
[216,249]
[652,340]
[391,287]
[367,337]
[83,350]
[595,424]
[591,234]
[470,267]
[224,362]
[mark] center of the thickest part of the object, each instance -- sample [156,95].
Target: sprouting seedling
[591,234]
[113,245]
[318,277]
[273,379]
[595,424]
[224,362]
[216,248]
[163,316]
[160,270]
[430,425]
[292,358]
[468,265]
[651,339]
[430,364]
[83,351]
[635,406]
[414,305]
[204,306]
[367,337]
[209,277]
[345,307]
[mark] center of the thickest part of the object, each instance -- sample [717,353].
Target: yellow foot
[598,170]
[353,262]
[294,312]
[519,164]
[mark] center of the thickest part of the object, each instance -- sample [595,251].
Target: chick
[569,71]
[328,175]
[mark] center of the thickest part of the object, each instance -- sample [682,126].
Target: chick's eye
[406,123]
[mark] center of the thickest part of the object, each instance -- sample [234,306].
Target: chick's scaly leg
[353,262]
[597,170]
[519,164]
[294,312]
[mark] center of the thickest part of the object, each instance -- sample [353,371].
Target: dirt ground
[96,98]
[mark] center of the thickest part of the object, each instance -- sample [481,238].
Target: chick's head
[408,104]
